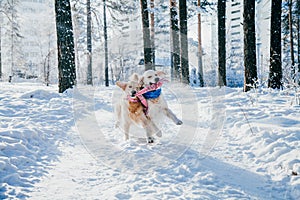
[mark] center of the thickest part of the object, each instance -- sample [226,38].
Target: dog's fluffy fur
[157,105]
[129,112]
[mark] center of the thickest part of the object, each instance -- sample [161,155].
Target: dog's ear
[160,73]
[134,77]
[122,85]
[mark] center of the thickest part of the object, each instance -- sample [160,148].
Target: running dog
[130,110]
[155,100]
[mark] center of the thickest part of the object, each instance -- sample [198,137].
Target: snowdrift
[236,146]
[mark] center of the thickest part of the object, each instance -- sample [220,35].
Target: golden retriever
[129,110]
[156,102]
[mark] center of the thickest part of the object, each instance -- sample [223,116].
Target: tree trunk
[152,32]
[12,48]
[249,45]
[292,40]
[89,44]
[222,43]
[65,45]
[200,63]
[275,74]
[76,36]
[1,43]
[0,48]
[298,33]
[105,45]
[184,56]
[47,65]
[146,36]
[174,40]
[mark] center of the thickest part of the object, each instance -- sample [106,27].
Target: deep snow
[233,145]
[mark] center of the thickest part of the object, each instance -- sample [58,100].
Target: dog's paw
[150,140]
[159,133]
[179,122]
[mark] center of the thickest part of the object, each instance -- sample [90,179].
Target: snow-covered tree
[152,30]
[89,42]
[10,33]
[184,56]
[289,34]
[148,59]
[174,40]
[65,45]
[249,45]
[275,74]
[222,42]
[105,44]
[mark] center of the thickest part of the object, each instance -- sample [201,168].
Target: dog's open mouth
[150,83]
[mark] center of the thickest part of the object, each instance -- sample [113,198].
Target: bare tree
[65,45]
[9,9]
[222,43]
[275,74]
[249,45]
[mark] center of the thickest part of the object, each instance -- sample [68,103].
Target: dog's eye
[155,74]
[149,76]
[130,86]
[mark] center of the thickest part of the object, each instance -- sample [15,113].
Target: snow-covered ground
[232,145]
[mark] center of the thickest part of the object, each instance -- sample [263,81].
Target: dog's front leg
[147,124]
[172,116]
[118,115]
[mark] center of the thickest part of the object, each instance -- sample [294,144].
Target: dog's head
[151,77]
[130,88]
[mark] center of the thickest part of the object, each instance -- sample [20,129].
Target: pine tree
[65,45]
[275,74]
[222,43]
[249,45]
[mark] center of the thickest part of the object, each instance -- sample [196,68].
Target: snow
[232,145]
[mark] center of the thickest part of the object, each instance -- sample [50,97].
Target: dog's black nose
[133,92]
[156,79]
